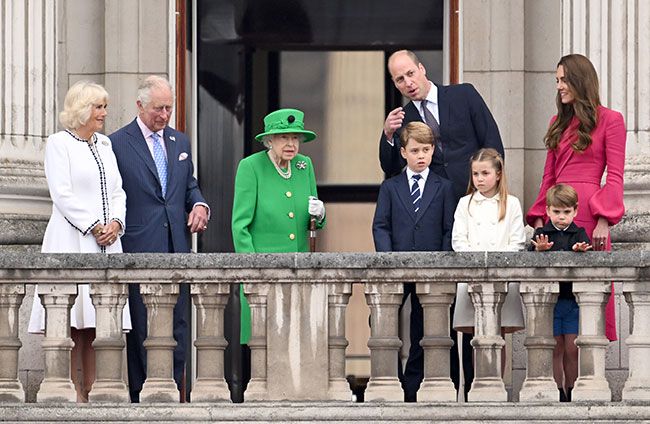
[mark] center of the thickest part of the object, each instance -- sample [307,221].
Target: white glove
[316,208]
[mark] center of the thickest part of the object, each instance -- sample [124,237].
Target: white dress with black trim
[86,189]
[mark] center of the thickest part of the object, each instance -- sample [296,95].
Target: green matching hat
[285,121]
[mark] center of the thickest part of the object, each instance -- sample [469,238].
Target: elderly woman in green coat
[275,195]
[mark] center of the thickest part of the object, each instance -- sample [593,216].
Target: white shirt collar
[432,96]
[478,197]
[146,132]
[424,174]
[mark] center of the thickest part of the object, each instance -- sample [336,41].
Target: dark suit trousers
[135,351]
[413,373]
[468,355]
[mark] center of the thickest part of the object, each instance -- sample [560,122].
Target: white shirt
[421,182]
[147,133]
[432,103]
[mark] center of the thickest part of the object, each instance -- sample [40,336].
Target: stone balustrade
[298,306]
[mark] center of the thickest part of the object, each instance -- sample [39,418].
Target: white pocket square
[182,156]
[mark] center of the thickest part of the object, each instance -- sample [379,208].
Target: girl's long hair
[494,158]
[582,80]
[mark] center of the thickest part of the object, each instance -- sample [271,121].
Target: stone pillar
[488,384]
[436,300]
[160,300]
[637,296]
[109,300]
[257,296]
[384,300]
[28,41]
[338,297]
[592,343]
[57,300]
[11,296]
[210,301]
[539,299]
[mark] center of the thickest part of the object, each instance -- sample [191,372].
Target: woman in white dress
[88,210]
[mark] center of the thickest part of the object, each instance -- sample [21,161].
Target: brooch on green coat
[301,164]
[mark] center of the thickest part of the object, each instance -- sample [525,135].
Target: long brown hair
[581,77]
[494,158]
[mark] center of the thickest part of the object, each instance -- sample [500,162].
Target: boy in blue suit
[415,212]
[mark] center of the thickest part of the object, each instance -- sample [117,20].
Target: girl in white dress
[488,219]
[88,211]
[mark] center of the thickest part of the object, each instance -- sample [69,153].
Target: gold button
[290,214]
[288,194]
[292,236]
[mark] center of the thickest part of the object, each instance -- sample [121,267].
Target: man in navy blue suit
[461,123]
[461,120]
[164,205]
[415,212]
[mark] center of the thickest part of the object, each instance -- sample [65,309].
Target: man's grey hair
[152,81]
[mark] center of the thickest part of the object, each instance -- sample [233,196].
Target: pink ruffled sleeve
[608,201]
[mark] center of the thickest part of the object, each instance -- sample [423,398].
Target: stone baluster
[488,384]
[338,297]
[160,300]
[592,343]
[109,300]
[539,385]
[637,296]
[210,301]
[436,300]
[257,295]
[57,386]
[11,296]
[384,300]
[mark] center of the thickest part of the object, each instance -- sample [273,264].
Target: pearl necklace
[284,174]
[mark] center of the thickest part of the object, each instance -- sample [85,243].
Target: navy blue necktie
[416,195]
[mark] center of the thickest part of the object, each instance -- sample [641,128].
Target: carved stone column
[488,384]
[109,300]
[384,300]
[57,299]
[338,297]
[257,296]
[637,296]
[210,301]
[592,343]
[436,300]
[539,299]
[27,117]
[11,296]
[160,300]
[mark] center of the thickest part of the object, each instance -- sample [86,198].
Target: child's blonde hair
[495,159]
[562,195]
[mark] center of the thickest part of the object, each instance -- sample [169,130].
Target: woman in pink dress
[583,140]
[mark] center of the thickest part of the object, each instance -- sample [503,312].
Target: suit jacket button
[288,194]
[446,164]
[291,215]
[292,236]
[165,225]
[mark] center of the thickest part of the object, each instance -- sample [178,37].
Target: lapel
[411,113]
[404,194]
[172,156]
[431,188]
[139,144]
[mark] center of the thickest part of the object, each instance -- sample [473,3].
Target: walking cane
[312,233]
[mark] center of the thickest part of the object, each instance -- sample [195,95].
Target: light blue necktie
[415,192]
[161,161]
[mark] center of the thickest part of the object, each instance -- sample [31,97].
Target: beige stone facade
[509,49]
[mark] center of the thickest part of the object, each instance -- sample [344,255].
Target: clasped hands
[542,244]
[105,235]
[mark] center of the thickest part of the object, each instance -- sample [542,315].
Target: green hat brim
[309,135]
